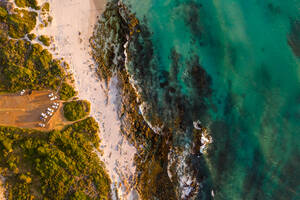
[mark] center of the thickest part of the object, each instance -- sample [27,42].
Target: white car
[22,92]
[42,125]
[53,106]
[50,95]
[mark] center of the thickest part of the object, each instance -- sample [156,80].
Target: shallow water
[250,100]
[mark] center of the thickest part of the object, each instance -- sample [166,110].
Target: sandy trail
[72,26]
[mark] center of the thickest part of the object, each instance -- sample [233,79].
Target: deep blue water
[234,65]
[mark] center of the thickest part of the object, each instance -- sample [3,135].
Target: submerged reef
[294,37]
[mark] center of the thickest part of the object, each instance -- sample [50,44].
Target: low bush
[54,165]
[27,3]
[66,92]
[3,13]
[27,66]
[76,110]
[46,7]
[20,23]
[45,40]
[31,36]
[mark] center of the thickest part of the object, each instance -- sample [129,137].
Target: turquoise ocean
[235,66]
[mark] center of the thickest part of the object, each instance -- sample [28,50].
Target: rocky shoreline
[160,172]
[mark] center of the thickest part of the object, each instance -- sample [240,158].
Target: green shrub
[66,91]
[25,178]
[24,65]
[76,110]
[27,3]
[16,75]
[54,165]
[79,195]
[3,12]
[21,3]
[31,36]
[27,66]
[46,7]
[45,40]
[21,22]
[50,19]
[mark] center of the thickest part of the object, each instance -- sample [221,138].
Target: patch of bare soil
[24,111]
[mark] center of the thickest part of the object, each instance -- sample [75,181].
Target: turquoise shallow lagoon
[249,51]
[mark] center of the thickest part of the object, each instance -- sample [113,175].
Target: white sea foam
[186,184]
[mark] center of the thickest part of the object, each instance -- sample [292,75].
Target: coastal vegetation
[76,110]
[31,36]
[27,3]
[46,7]
[27,66]
[45,17]
[54,165]
[3,13]
[66,91]
[45,40]
[60,164]
[20,22]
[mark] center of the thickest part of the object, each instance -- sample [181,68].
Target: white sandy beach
[72,26]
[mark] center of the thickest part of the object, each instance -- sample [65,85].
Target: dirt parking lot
[25,111]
